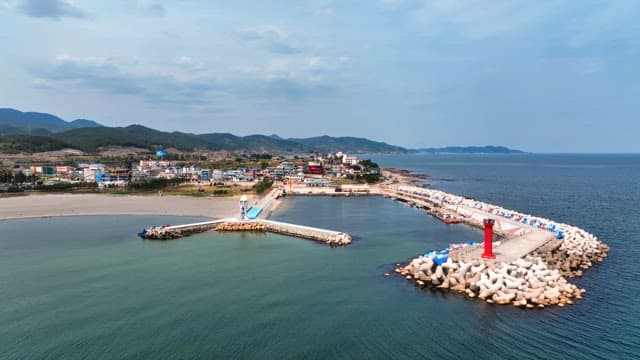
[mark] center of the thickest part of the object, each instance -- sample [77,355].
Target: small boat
[446,218]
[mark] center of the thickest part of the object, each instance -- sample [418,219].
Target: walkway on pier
[266,203]
[334,238]
[200,225]
[510,248]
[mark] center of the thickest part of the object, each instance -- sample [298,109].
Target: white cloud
[478,19]
[152,7]
[51,9]
[128,78]
[613,20]
[291,77]
[588,66]
[317,63]
[40,83]
[391,2]
[185,80]
[274,39]
[189,63]
[6,4]
[323,11]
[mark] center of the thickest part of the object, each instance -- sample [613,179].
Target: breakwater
[241,226]
[166,232]
[526,282]
[332,238]
[531,268]
[577,251]
[329,237]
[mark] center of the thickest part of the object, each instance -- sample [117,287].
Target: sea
[88,288]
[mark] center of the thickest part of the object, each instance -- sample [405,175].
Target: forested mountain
[327,144]
[489,149]
[37,132]
[17,122]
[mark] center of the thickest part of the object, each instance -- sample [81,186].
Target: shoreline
[60,205]
[525,273]
[48,205]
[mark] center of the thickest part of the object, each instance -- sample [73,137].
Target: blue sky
[543,76]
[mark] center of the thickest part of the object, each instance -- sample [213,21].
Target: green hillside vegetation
[93,139]
[266,142]
[89,140]
[38,132]
[30,143]
[17,122]
[328,144]
[489,149]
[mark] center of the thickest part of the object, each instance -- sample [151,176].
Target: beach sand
[33,206]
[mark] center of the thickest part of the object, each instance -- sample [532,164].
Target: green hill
[30,143]
[92,139]
[17,122]
[489,149]
[328,144]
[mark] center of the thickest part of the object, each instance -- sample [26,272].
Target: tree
[264,164]
[265,184]
[20,178]
[369,164]
[5,176]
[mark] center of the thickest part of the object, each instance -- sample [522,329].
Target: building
[295,177]
[350,160]
[316,183]
[314,168]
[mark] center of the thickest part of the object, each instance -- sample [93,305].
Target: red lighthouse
[488,239]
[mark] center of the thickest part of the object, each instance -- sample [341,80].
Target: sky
[541,76]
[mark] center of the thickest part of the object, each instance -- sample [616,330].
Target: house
[314,168]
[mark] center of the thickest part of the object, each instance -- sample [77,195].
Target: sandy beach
[33,206]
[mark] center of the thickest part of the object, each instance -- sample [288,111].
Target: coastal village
[243,172]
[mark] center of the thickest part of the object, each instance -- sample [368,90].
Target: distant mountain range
[328,144]
[489,149]
[38,132]
[17,122]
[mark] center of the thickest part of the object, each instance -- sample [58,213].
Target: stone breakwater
[160,233]
[536,279]
[241,226]
[166,232]
[526,282]
[577,251]
[332,238]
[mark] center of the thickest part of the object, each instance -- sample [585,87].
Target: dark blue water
[599,193]
[86,287]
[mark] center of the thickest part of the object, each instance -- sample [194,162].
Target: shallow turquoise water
[86,287]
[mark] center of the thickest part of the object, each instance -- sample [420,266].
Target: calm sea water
[86,287]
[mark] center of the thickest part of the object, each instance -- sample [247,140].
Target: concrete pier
[251,222]
[333,238]
[531,264]
[519,239]
[329,237]
[178,231]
